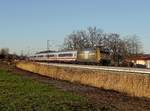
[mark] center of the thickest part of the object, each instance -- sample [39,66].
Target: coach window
[64,55]
[50,55]
[69,54]
[40,56]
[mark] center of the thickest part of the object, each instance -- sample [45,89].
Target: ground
[44,92]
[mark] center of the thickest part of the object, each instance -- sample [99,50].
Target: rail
[107,68]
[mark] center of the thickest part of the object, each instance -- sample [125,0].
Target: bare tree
[4,52]
[114,44]
[134,45]
[84,39]
[73,41]
[95,36]
[120,47]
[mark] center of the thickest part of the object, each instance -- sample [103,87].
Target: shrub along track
[96,96]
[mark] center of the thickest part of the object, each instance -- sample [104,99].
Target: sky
[26,25]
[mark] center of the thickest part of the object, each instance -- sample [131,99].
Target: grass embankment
[19,93]
[131,83]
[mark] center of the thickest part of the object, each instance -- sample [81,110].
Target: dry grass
[133,84]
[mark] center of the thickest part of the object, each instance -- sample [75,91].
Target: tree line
[120,47]
[4,52]
[6,56]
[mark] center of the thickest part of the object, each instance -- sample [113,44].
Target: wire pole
[47,44]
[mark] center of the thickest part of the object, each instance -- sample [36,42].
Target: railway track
[107,68]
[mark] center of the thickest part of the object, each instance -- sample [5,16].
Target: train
[96,55]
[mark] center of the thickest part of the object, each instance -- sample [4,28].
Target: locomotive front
[94,56]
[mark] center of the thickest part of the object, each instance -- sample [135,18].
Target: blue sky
[28,24]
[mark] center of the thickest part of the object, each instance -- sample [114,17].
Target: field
[25,91]
[18,93]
